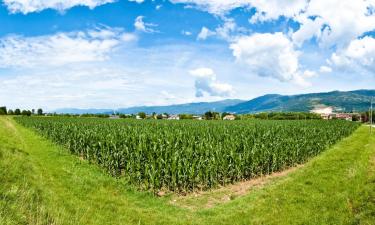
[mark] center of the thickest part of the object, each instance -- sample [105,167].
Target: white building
[229,117]
[323,110]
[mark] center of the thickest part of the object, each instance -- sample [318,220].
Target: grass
[41,183]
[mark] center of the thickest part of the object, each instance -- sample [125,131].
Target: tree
[3,110]
[17,112]
[185,116]
[208,115]
[159,117]
[10,112]
[40,112]
[26,113]
[142,115]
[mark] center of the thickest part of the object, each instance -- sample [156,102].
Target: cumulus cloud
[273,9]
[140,25]
[25,6]
[205,33]
[270,55]
[227,31]
[335,22]
[325,69]
[61,48]
[332,23]
[218,7]
[205,82]
[359,53]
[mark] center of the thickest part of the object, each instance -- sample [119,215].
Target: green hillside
[341,101]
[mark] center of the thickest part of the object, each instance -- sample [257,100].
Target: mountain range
[345,101]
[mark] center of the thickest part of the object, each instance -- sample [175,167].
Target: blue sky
[120,53]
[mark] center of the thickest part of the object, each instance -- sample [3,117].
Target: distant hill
[190,108]
[345,101]
[341,101]
[83,111]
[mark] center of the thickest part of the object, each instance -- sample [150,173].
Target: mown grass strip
[336,187]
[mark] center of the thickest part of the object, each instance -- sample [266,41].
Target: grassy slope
[42,184]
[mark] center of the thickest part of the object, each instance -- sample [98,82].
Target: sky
[121,53]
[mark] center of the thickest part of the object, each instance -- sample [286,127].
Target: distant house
[229,117]
[138,117]
[344,116]
[174,117]
[197,118]
[324,111]
[114,117]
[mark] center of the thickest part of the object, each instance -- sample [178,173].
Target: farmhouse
[343,116]
[229,117]
[174,117]
[197,118]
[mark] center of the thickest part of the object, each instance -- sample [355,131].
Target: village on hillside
[328,113]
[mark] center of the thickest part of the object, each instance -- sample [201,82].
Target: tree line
[19,112]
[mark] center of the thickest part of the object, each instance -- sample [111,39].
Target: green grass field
[42,183]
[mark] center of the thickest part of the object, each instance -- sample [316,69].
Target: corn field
[184,156]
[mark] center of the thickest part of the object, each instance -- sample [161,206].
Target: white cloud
[325,69]
[270,55]
[218,7]
[309,28]
[140,25]
[168,96]
[333,22]
[137,1]
[61,48]
[205,33]
[340,20]
[227,31]
[90,85]
[273,9]
[360,54]
[205,82]
[186,33]
[29,6]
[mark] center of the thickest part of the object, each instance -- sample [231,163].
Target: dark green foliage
[142,115]
[3,110]
[212,115]
[10,112]
[366,117]
[17,112]
[40,112]
[186,116]
[125,116]
[187,155]
[26,113]
[87,115]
